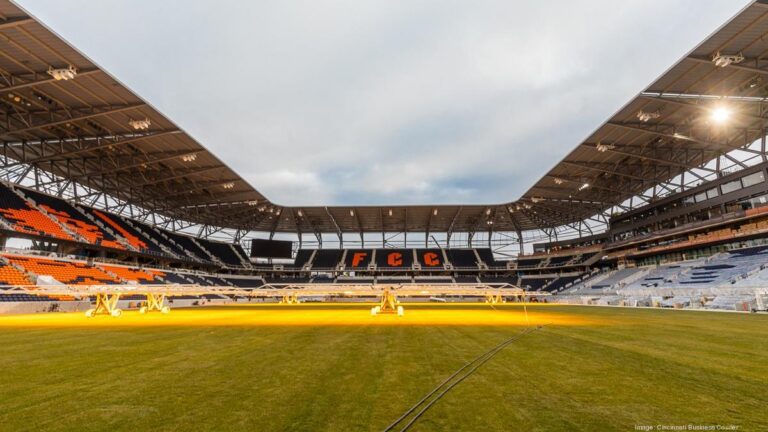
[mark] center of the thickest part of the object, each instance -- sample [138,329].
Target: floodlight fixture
[723,60]
[140,124]
[63,74]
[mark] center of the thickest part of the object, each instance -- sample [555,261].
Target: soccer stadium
[146,285]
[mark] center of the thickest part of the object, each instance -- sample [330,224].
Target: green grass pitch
[620,369]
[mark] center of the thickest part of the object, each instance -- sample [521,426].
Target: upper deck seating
[153,233]
[557,261]
[66,272]
[73,219]
[327,258]
[394,258]
[186,246]
[222,251]
[133,237]
[302,258]
[27,219]
[462,258]
[585,257]
[528,262]
[241,252]
[486,255]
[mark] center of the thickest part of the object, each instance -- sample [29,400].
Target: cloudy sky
[386,102]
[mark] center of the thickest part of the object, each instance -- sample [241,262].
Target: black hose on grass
[473,365]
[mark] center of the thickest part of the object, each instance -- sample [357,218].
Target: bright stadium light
[602,148]
[723,60]
[63,74]
[299,213]
[390,212]
[229,185]
[352,213]
[434,212]
[584,186]
[140,124]
[720,114]
[645,116]
[189,157]
[558,181]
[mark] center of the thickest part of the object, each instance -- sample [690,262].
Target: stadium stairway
[27,218]
[194,245]
[45,211]
[174,244]
[137,240]
[240,253]
[13,274]
[224,253]
[72,219]
[104,227]
[135,226]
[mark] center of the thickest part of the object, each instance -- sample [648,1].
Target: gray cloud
[381,102]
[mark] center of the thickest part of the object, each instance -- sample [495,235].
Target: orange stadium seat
[30,221]
[132,274]
[92,233]
[9,275]
[66,272]
[132,239]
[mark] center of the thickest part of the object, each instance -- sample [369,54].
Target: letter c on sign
[431,259]
[395,259]
[357,258]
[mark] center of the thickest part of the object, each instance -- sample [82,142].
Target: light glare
[720,114]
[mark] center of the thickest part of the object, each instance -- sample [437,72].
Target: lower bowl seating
[66,272]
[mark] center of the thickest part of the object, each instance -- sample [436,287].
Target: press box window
[753,179]
[730,186]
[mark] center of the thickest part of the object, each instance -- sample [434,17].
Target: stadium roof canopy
[91,130]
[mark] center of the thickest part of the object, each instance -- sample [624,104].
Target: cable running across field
[444,387]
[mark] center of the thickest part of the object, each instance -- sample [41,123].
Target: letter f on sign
[358,258]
